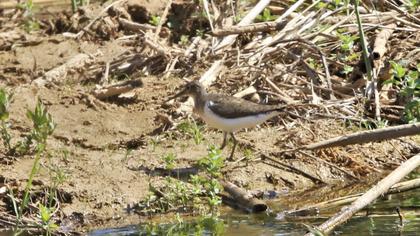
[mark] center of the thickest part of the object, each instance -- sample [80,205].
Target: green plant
[248,153]
[154,20]
[347,69]
[29,23]
[5,99]
[75,4]
[43,126]
[346,41]
[213,162]
[169,160]
[413,5]
[266,16]
[176,194]
[191,129]
[45,215]
[408,81]
[184,40]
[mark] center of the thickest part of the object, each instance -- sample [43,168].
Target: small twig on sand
[86,28]
[116,89]
[257,27]
[281,94]
[293,169]
[104,79]
[244,200]
[135,27]
[329,164]
[376,191]
[368,136]
[156,47]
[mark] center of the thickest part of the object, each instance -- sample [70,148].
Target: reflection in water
[379,219]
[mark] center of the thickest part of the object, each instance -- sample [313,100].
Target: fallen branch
[116,89]
[257,27]
[376,191]
[59,73]
[244,200]
[368,136]
[134,26]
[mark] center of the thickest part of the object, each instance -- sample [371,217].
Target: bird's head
[192,89]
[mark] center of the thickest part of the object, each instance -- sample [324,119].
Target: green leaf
[399,70]
[44,213]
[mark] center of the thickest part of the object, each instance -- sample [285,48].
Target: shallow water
[381,220]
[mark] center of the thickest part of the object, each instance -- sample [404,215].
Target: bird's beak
[180,94]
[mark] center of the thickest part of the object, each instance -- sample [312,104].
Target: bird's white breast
[234,124]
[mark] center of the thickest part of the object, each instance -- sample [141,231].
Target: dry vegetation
[101,138]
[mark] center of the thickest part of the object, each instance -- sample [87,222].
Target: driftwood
[59,73]
[257,27]
[376,191]
[368,136]
[244,200]
[116,89]
[379,48]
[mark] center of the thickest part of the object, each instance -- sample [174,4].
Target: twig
[329,164]
[281,94]
[406,14]
[368,136]
[376,191]
[116,89]
[104,79]
[162,20]
[134,26]
[293,169]
[206,9]
[80,34]
[249,18]
[257,27]
[156,47]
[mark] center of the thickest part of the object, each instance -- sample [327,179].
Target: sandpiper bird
[227,113]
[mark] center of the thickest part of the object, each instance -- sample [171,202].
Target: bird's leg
[224,140]
[234,146]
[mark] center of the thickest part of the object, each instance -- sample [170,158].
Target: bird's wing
[233,107]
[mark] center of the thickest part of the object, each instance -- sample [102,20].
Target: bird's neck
[199,102]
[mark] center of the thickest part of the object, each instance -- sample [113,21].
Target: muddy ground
[109,149]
